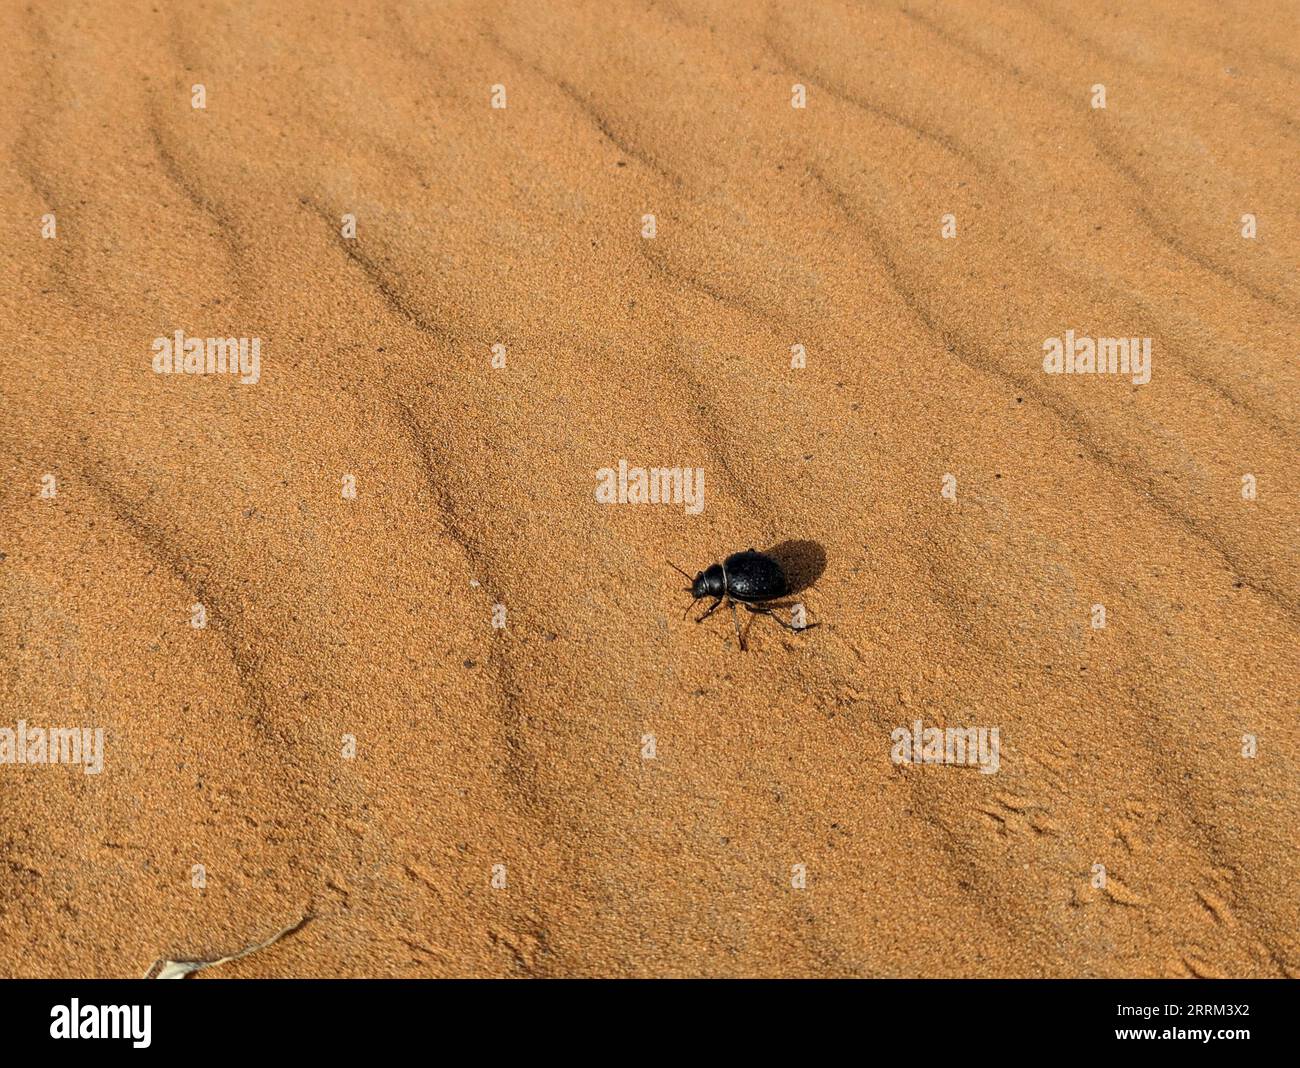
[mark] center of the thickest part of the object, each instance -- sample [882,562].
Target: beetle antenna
[679,570]
[689,607]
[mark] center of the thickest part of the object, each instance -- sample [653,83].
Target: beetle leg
[736,623]
[709,611]
[779,620]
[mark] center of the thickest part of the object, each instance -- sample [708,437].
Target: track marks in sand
[524,947]
[1130,830]
[1193,965]
[1012,815]
[424,950]
[1117,891]
[1217,907]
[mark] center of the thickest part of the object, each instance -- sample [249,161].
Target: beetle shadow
[802,561]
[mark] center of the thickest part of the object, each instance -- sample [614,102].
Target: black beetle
[749,577]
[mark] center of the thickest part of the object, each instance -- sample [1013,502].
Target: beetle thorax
[711,582]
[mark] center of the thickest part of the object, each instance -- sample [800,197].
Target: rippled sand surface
[502,814]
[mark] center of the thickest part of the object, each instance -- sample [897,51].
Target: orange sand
[522,746]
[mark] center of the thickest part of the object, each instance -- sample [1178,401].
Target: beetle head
[709,583]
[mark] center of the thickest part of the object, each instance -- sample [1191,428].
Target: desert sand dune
[954,511]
